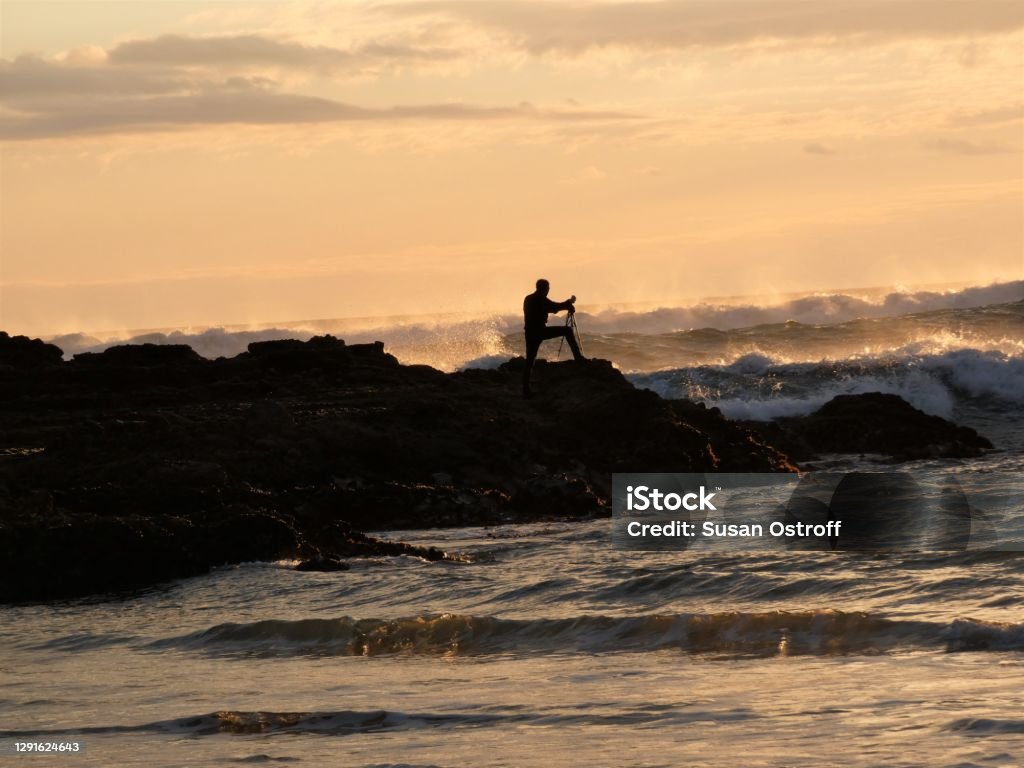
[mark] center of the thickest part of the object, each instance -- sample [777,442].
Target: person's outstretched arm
[558,306]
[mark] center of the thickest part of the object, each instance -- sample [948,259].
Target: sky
[181,163]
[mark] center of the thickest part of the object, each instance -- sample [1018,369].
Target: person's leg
[532,347]
[566,332]
[570,336]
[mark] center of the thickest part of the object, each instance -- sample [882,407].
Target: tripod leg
[562,340]
[576,332]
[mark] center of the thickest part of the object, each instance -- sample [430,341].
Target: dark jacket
[536,309]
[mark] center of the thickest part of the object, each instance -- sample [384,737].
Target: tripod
[570,322]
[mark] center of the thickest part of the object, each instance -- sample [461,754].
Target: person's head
[543,286]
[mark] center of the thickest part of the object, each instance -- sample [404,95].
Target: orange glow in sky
[184,163]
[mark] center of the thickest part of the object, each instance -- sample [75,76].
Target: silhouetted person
[536,308]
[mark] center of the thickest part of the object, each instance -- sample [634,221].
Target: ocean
[543,644]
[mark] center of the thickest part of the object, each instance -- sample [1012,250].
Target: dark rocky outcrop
[144,463]
[873,423]
[140,356]
[23,352]
[327,564]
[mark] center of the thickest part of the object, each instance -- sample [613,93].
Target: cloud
[963,147]
[260,51]
[1008,114]
[588,175]
[104,102]
[174,82]
[817,149]
[31,78]
[570,27]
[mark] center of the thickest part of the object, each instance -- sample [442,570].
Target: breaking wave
[817,309]
[758,388]
[828,325]
[823,632]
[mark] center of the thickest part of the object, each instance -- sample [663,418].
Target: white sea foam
[755,387]
[924,393]
[487,362]
[981,374]
[752,362]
